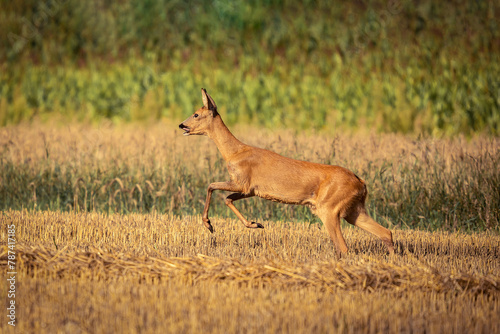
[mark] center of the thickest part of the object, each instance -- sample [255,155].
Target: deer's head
[200,122]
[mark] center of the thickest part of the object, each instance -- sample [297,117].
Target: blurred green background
[391,66]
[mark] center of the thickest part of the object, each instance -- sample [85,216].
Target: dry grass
[92,270]
[426,183]
[97,273]
[91,146]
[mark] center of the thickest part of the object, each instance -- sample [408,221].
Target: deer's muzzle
[185,128]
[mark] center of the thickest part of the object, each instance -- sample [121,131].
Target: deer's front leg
[227,186]
[235,197]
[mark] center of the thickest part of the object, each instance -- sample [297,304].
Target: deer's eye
[195,115]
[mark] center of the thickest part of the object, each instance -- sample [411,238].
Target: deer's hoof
[256,225]
[390,246]
[209,226]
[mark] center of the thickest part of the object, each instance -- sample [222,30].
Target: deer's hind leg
[235,197]
[331,220]
[361,219]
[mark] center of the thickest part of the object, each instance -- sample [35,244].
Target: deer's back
[272,176]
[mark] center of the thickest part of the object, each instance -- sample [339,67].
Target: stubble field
[96,273]
[102,244]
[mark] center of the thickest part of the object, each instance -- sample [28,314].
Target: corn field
[399,66]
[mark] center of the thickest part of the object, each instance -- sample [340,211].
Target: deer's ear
[208,102]
[204,97]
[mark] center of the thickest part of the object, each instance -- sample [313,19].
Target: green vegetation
[396,66]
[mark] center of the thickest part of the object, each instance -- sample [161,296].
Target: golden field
[413,182]
[109,237]
[99,273]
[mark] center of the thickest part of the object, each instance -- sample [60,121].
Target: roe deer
[331,192]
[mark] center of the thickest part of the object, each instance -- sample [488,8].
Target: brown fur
[332,192]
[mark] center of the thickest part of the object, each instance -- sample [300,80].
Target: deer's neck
[227,144]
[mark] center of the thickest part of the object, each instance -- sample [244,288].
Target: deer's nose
[182,126]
